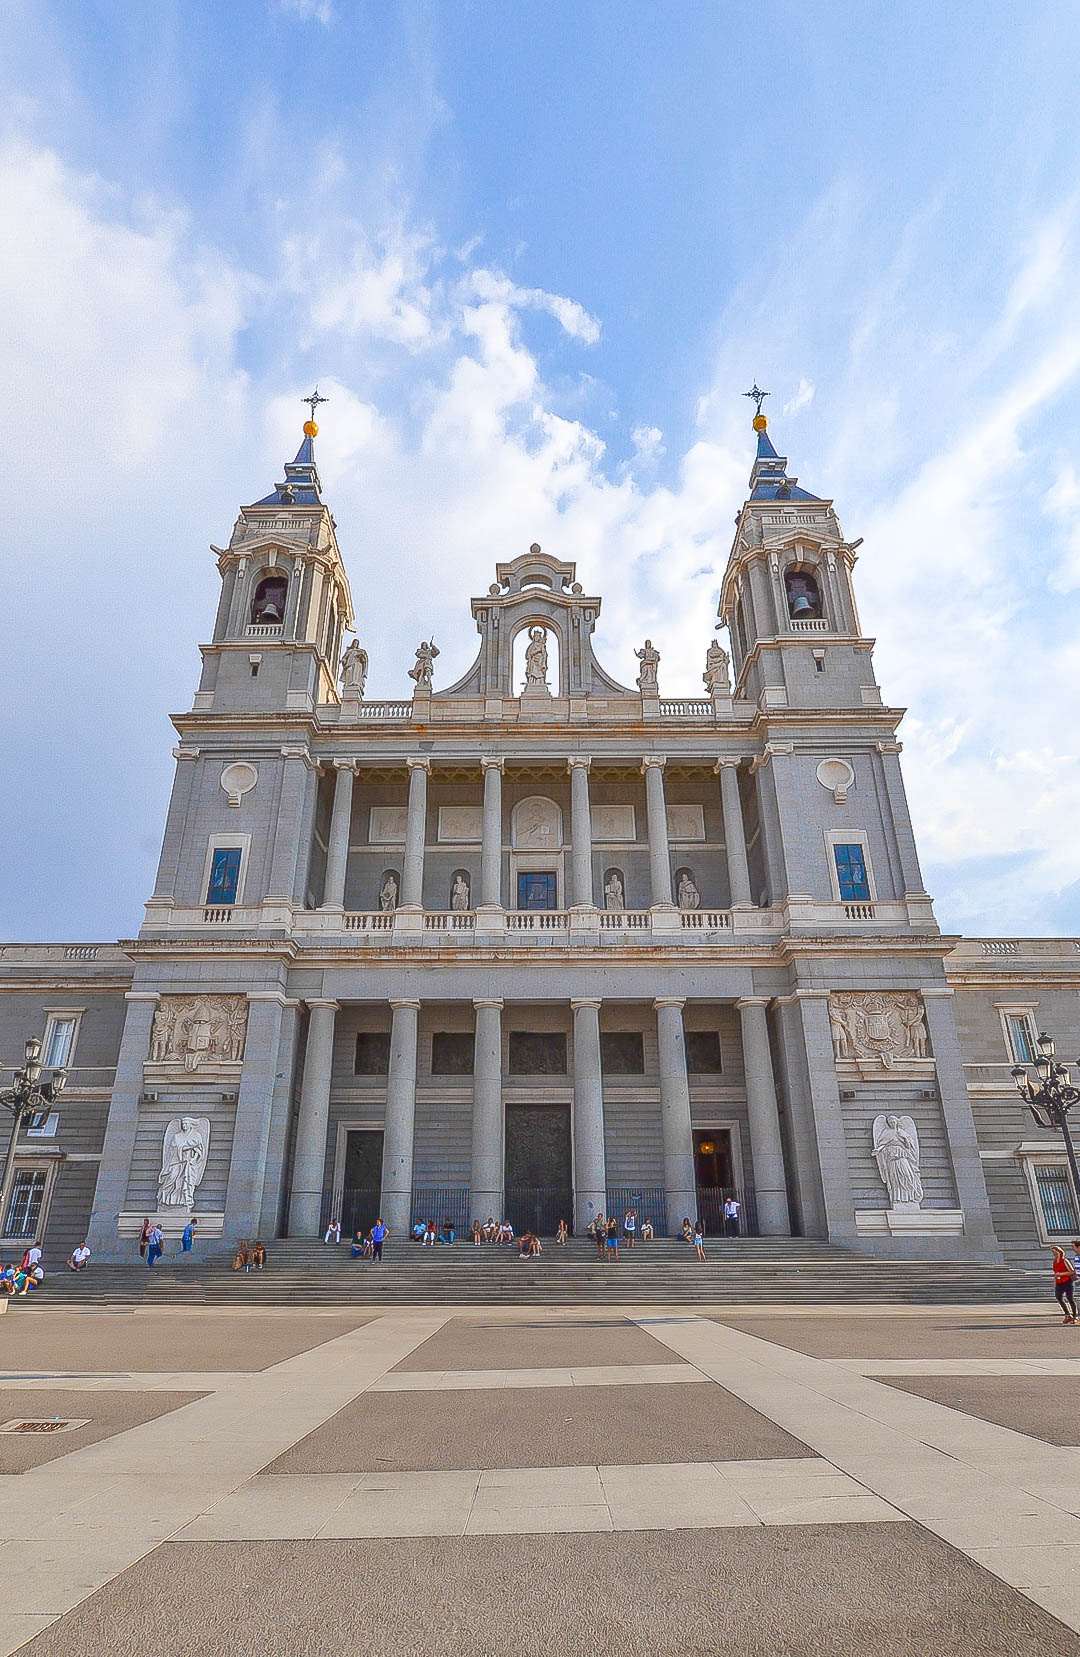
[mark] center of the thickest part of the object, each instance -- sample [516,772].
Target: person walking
[1064,1278]
[333,1232]
[379,1234]
[731,1216]
[144,1239]
[187,1236]
[155,1245]
[699,1239]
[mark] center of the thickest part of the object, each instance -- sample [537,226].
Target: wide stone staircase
[746,1271]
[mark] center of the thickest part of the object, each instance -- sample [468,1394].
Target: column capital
[344,765]
[586,1001]
[753,1001]
[397,1001]
[669,1001]
[295,750]
[492,762]
[312,1001]
[487,1001]
[418,762]
[648,760]
[727,761]
[579,761]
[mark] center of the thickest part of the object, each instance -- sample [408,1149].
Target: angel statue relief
[896,1152]
[183,1161]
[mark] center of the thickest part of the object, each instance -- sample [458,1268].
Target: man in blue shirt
[378,1237]
[188,1237]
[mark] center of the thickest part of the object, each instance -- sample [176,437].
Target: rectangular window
[372,1053]
[24,1203]
[851,873]
[224,874]
[622,1052]
[537,1053]
[703,1055]
[59,1039]
[452,1053]
[1055,1195]
[536,890]
[1021,1032]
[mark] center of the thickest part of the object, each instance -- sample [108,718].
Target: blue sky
[534,253]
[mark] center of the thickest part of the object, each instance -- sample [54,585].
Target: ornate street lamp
[1050,1098]
[28,1096]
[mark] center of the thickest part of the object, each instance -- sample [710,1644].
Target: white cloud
[318,11]
[804,396]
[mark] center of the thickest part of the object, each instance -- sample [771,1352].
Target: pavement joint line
[582,1375]
[88,1516]
[988,1491]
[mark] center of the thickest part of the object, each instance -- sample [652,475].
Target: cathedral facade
[538,943]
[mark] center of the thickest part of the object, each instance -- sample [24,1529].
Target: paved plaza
[652,1481]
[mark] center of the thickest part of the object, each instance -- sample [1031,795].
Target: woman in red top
[1064,1277]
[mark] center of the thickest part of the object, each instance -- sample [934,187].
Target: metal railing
[710,1210]
[444,1202]
[648,1203]
[538,1208]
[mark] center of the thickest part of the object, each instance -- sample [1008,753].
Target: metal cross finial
[757,394]
[314,400]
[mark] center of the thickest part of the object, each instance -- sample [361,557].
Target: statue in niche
[536,659]
[688,895]
[886,1025]
[423,671]
[354,670]
[896,1152]
[649,657]
[459,892]
[183,1161]
[388,893]
[717,664]
[614,894]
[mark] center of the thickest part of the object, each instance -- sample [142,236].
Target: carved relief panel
[192,1033]
[883,1029]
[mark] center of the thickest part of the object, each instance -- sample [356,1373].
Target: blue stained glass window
[851,873]
[536,891]
[224,875]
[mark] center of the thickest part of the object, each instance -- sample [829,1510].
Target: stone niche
[880,1032]
[198,1036]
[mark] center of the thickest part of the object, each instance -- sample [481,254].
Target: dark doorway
[537,891]
[539,1167]
[363,1180]
[712,1158]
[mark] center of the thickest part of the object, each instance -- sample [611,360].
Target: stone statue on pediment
[354,670]
[716,677]
[649,657]
[536,659]
[424,669]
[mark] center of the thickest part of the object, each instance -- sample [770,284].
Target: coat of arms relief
[885,1028]
[196,1032]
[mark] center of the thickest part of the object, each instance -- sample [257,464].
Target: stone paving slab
[890,1590]
[177,1338]
[974,1333]
[1045,1407]
[535,1343]
[105,1413]
[885,1367]
[483,1380]
[537,1427]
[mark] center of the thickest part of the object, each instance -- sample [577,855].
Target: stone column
[309,1157]
[254,1110]
[412,875]
[580,832]
[487,1125]
[491,850]
[290,811]
[110,1196]
[337,853]
[656,816]
[590,1177]
[400,1117]
[680,1186]
[770,1185]
[734,833]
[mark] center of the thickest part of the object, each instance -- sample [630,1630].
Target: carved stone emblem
[886,1025]
[197,1030]
[183,1160]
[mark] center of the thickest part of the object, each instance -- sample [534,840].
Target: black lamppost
[1050,1099]
[27,1096]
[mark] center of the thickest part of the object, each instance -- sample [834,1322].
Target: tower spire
[302,485]
[768,478]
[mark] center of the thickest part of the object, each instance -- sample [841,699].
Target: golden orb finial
[310,429]
[760,423]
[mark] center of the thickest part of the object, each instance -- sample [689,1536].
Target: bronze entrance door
[539,1168]
[363,1180]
